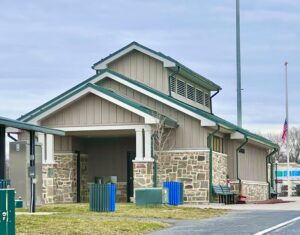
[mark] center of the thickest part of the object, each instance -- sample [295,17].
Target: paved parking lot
[242,219]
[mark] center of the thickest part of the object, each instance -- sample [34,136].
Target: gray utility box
[19,162]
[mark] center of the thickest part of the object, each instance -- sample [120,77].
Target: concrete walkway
[294,205]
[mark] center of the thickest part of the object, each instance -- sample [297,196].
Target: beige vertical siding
[62,144]
[91,110]
[252,164]
[188,135]
[143,68]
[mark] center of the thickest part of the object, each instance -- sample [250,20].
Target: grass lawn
[77,219]
[68,225]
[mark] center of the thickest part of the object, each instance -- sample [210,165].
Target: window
[199,96]
[173,84]
[206,100]
[181,88]
[190,92]
[217,144]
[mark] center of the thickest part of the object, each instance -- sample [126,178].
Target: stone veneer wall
[142,174]
[65,175]
[49,184]
[219,168]
[253,190]
[84,188]
[60,179]
[191,168]
[122,192]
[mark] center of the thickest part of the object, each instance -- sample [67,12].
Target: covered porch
[87,153]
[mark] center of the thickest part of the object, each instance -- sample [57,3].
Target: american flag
[285,131]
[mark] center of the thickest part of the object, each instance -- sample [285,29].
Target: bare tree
[161,136]
[294,145]
[161,142]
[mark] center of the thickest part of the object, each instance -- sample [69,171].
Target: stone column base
[60,179]
[49,183]
[143,174]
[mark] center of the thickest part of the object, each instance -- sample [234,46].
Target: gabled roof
[210,116]
[89,87]
[213,118]
[7,122]
[167,60]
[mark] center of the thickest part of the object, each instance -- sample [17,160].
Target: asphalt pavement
[237,222]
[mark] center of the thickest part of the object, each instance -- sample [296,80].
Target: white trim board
[103,64]
[101,128]
[148,118]
[204,121]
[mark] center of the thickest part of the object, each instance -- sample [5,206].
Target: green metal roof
[168,121]
[184,71]
[29,127]
[30,114]
[200,112]
[212,117]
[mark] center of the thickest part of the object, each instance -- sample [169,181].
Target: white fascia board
[148,118]
[208,123]
[204,121]
[101,128]
[237,136]
[103,65]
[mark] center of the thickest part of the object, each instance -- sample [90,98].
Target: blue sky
[49,46]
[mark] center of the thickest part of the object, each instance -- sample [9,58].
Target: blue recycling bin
[175,192]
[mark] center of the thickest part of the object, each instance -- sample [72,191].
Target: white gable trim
[148,118]
[103,65]
[102,128]
[204,121]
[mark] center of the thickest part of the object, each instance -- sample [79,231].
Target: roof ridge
[184,67]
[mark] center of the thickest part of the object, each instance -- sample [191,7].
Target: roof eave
[29,127]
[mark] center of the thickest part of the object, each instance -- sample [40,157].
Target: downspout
[210,139]
[237,162]
[268,157]
[172,75]
[211,100]
[154,162]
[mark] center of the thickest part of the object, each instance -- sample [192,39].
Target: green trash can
[7,212]
[102,197]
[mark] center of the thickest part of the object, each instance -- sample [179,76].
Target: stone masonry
[65,175]
[49,186]
[191,168]
[253,190]
[219,168]
[60,179]
[143,174]
[122,192]
[84,188]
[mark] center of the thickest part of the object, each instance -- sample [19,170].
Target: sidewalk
[294,205]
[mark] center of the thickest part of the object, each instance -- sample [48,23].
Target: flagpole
[287,134]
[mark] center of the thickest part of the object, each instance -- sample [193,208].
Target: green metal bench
[230,195]
[219,192]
